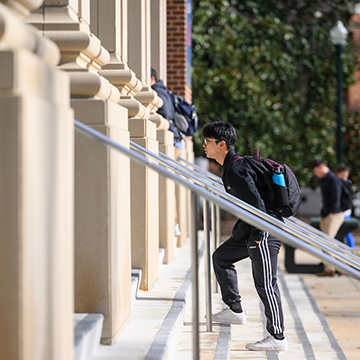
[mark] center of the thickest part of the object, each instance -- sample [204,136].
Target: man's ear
[223,145]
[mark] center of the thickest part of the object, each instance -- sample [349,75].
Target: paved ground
[306,298]
[322,317]
[338,298]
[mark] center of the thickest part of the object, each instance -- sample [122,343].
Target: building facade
[75,216]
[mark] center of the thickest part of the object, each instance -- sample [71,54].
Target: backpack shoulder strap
[235,158]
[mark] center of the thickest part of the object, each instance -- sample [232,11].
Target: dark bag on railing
[185,115]
[284,200]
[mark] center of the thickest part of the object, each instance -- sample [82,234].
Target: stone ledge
[16,35]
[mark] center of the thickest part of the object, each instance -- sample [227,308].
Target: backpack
[185,115]
[347,194]
[283,200]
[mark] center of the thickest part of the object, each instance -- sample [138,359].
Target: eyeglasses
[206,140]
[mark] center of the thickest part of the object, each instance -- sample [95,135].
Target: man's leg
[224,257]
[330,225]
[264,256]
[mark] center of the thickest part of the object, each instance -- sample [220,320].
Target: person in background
[167,110]
[246,242]
[342,172]
[331,214]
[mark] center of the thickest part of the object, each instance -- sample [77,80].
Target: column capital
[23,7]
[121,76]
[161,122]
[89,84]
[14,34]
[74,44]
[135,108]
[149,98]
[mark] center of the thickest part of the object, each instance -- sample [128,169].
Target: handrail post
[207,264]
[195,277]
[217,237]
[213,238]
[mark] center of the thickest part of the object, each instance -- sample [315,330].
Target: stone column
[102,177]
[139,56]
[166,199]
[102,218]
[36,194]
[158,38]
[145,207]
[190,156]
[181,194]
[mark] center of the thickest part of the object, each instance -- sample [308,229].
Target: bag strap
[235,158]
[257,154]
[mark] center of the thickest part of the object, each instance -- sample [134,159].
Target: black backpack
[285,201]
[347,194]
[186,118]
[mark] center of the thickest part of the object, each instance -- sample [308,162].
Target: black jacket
[168,109]
[241,181]
[331,188]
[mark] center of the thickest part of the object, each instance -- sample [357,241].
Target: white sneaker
[269,344]
[227,316]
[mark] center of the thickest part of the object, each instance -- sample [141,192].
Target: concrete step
[136,276]
[135,283]
[88,328]
[306,328]
[157,315]
[161,320]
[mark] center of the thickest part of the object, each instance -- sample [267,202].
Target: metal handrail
[307,235]
[201,170]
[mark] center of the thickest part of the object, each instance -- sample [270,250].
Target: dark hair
[316,163]
[154,74]
[221,131]
[340,168]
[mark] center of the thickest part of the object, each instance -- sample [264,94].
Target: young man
[167,110]
[332,216]
[342,172]
[246,241]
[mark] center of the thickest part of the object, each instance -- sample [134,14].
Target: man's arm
[241,180]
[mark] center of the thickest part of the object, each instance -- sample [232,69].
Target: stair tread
[153,327]
[87,334]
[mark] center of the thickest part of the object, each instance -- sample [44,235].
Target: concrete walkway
[338,299]
[322,318]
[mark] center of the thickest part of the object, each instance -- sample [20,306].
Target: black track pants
[263,257]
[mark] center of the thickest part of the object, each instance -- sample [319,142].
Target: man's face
[343,174]
[317,171]
[211,147]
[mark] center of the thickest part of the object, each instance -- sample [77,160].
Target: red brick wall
[352,96]
[176,49]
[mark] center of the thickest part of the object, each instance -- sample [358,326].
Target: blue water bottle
[278,176]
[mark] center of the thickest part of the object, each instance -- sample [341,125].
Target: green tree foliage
[269,68]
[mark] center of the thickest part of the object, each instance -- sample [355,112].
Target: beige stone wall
[181,195]
[166,199]
[102,177]
[145,207]
[74,214]
[36,192]
[102,218]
